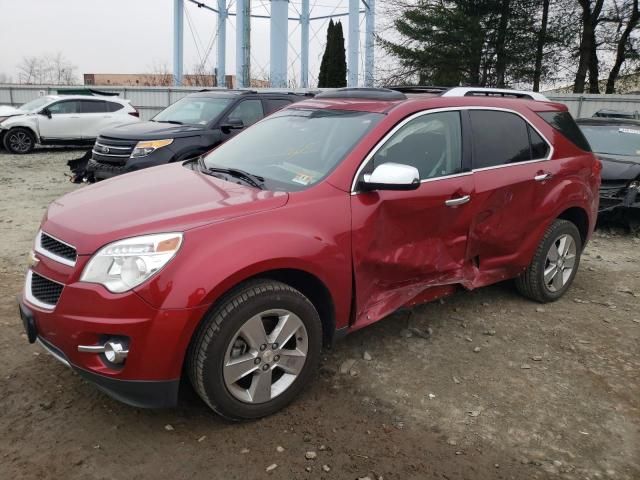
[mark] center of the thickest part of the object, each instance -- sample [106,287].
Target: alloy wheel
[560,262]
[265,356]
[20,142]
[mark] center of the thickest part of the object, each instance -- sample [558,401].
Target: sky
[135,36]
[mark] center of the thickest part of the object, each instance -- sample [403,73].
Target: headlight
[2,119]
[125,264]
[145,148]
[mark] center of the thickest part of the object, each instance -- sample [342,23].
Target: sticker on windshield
[302,179]
[628,130]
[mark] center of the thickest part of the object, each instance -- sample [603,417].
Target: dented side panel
[406,242]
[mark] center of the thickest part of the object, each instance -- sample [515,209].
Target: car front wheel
[256,350]
[19,141]
[554,265]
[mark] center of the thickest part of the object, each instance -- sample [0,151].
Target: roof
[421,98]
[232,93]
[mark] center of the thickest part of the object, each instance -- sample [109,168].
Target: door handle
[74,116]
[454,202]
[542,176]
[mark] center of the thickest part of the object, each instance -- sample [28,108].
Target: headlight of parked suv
[125,264]
[145,148]
[2,119]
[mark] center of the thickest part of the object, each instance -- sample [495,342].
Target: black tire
[209,347]
[19,141]
[531,283]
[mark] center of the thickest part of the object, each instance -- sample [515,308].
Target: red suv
[237,268]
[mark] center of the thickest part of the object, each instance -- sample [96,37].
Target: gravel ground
[485,385]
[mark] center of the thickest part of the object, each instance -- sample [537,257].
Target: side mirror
[392,176]
[46,112]
[232,124]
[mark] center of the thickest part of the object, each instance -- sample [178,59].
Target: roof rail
[493,92]
[364,93]
[419,89]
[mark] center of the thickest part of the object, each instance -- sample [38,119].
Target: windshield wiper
[253,180]
[175,122]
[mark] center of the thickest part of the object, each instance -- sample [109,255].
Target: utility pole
[243,43]
[369,44]
[304,44]
[222,43]
[279,42]
[178,41]
[354,43]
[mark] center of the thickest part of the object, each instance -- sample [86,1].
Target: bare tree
[46,69]
[160,76]
[626,16]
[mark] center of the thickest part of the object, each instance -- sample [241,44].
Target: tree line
[498,43]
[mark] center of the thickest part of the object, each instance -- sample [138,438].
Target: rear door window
[93,106]
[499,138]
[249,111]
[275,104]
[539,148]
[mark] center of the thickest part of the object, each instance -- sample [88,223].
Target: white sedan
[62,120]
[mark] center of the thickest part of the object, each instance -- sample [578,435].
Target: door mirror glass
[232,124]
[392,176]
[46,112]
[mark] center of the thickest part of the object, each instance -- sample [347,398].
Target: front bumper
[102,167]
[613,197]
[87,314]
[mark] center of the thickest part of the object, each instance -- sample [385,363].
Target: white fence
[151,100]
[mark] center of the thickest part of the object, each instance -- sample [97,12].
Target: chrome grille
[57,247]
[45,290]
[112,150]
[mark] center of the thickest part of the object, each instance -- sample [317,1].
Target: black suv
[191,126]
[616,142]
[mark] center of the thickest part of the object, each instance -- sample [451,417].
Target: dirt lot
[503,388]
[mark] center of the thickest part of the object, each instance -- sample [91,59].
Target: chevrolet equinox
[237,267]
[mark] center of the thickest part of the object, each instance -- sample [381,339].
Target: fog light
[115,352]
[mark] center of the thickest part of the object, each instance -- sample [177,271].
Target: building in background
[625,84]
[162,80]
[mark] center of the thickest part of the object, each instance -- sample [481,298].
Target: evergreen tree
[467,42]
[339,77]
[333,68]
[324,65]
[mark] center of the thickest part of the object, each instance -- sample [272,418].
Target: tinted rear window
[492,145]
[93,106]
[565,124]
[114,107]
[275,104]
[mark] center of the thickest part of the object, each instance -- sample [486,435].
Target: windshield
[613,140]
[193,110]
[35,104]
[296,148]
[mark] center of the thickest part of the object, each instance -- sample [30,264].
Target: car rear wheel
[256,350]
[554,265]
[19,140]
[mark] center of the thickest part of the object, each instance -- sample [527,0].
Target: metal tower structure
[278,42]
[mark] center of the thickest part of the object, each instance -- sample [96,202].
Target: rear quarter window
[114,107]
[565,124]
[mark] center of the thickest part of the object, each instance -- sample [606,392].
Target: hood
[7,111]
[619,167]
[161,199]
[152,131]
